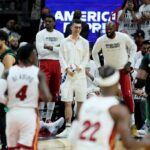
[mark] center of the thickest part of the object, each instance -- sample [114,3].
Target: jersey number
[93,129]
[21,94]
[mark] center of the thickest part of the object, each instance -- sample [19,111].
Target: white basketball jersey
[23,86]
[96,126]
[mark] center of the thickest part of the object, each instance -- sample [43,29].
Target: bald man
[118,50]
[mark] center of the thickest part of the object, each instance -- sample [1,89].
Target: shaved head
[110,29]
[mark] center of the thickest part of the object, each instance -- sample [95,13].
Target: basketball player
[24,81]
[7,57]
[102,116]
[118,50]
[48,47]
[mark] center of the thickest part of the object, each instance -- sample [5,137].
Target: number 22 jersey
[23,85]
[95,127]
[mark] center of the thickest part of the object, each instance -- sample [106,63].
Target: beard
[110,35]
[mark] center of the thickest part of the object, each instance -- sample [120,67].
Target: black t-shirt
[145,65]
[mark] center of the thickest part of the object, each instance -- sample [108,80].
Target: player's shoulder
[41,32]
[84,40]
[121,35]
[102,38]
[58,32]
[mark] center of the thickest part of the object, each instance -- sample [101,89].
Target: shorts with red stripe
[52,70]
[22,128]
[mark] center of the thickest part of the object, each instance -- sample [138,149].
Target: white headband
[1,69]
[109,81]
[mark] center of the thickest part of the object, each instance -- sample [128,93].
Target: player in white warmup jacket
[24,82]
[101,117]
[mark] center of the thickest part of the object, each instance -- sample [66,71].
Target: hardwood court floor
[63,144]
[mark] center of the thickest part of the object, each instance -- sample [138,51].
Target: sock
[68,125]
[50,109]
[41,110]
[132,122]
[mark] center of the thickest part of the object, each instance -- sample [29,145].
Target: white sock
[50,109]
[68,125]
[41,110]
[132,119]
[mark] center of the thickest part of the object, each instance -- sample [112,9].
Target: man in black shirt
[85,27]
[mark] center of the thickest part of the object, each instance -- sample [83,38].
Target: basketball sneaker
[53,127]
[44,133]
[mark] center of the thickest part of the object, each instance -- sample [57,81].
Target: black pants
[139,113]
[3,127]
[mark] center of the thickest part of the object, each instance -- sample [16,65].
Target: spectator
[139,37]
[44,12]
[139,56]
[85,27]
[127,17]
[10,28]
[74,56]
[48,48]
[143,17]
[13,43]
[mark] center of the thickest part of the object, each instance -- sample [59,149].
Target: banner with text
[95,12]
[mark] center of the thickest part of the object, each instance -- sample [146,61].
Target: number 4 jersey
[23,88]
[95,129]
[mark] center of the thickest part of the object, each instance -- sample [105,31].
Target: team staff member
[48,47]
[118,50]
[22,120]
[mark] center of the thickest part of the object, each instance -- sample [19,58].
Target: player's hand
[128,67]
[78,69]
[48,47]
[70,73]
[130,6]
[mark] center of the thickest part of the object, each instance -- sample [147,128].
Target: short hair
[106,71]
[3,36]
[77,21]
[25,51]
[50,16]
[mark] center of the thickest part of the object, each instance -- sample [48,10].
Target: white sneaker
[53,127]
[64,134]
[142,132]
